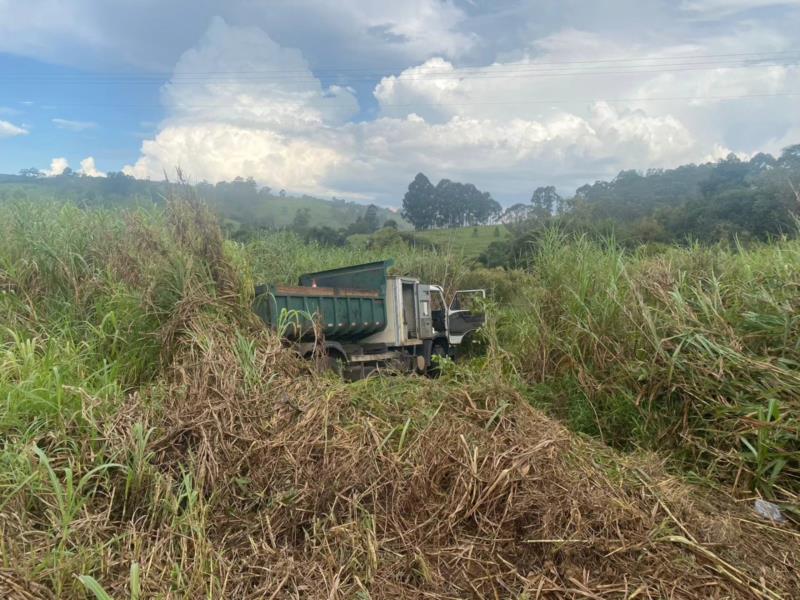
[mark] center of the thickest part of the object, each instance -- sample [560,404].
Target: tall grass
[695,351]
[156,441]
[90,303]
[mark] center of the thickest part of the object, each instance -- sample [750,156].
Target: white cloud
[10,130]
[88,168]
[506,127]
[57,167]
[214,151]
[720,152]
[423,26]
[268,128]
[729,6]
[672,110]
[75,126]
[151,34]
[269,86]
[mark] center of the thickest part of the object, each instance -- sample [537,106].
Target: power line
[761,55]
[687,67]
[553,102]
[756,59]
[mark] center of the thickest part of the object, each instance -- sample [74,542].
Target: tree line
[448,204]
[732,200]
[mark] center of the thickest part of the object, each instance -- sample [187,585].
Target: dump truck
[359,320]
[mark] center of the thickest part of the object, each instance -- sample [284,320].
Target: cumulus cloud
[75,126]
[88,168]
[57,167]
[10,130]
[507,126]
[270,128]
[215,151]
[268,87]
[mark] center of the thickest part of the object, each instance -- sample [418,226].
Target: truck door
[465,314]
[410,310]
[425,317]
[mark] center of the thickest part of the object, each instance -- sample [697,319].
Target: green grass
[155,441]
[694,352]
[468,242]
[271,210]
[280,211]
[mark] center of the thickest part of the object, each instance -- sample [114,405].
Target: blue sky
[68,113]
[354,98]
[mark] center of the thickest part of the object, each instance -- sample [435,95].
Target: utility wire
[452,77]
[762,55]
[553,102]
[487,71]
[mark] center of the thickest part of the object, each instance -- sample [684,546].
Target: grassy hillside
[467,241]
[279,211]
[239,203]
[159,442]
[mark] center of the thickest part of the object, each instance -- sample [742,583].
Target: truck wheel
[437,351]
[333,362]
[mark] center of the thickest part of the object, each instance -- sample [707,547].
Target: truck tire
[439,351]
[334,362]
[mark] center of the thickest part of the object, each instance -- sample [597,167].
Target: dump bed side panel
[342,314]
[369,276]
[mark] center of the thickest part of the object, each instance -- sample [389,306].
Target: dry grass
[308,494]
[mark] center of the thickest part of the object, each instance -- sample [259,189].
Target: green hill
[467,241]
[239,202]
[464,242]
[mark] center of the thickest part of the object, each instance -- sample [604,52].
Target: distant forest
[731,200]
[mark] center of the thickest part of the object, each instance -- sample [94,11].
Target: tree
[728,173]
[449,202]
[325,236]
[371,223]
[795,191]
[546,202]
[790,157]
[462,204]
[301,221]
[366,223]
[390,224]
[31,172]
[516,214]
[481,207]
[419,203]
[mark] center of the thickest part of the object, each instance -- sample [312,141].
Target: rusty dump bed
[349,305]
[299,290]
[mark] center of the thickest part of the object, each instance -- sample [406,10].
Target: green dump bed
[348,303]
